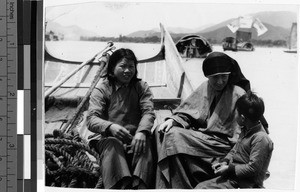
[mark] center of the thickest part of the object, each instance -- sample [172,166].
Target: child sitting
[245,166]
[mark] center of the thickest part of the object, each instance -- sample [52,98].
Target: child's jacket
[250,157]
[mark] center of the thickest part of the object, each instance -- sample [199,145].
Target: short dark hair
[251,106]
[118,55]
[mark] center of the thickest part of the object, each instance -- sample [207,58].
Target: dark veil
[218,62]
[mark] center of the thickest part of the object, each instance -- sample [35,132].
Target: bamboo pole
[101,71]
[52,89]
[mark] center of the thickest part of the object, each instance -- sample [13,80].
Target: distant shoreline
[158,42]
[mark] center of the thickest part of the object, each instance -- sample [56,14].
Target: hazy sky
[108,18]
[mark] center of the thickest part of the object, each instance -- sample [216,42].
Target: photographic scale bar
[16,156]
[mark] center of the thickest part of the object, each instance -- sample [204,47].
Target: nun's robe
[206,130]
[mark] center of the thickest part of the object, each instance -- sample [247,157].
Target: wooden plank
[69,92]
[174,66]
[50,127]
[87,85]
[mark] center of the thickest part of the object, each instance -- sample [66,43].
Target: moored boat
[245,46]
[193,46]
[242,27]
[231,43]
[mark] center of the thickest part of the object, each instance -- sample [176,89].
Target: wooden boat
[245,46]
[292,40]
[69,161]
[68,157]
[242,27]
[193,46]
[230,43]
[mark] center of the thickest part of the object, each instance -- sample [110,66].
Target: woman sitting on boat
[203,128]
[121,115]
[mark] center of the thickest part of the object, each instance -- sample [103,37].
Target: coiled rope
[68,163]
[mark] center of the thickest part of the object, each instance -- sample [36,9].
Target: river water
[273,75]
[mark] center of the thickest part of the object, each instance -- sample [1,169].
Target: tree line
[121,38]
[155,39]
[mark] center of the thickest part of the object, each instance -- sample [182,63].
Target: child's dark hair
[251,106]
[116,57]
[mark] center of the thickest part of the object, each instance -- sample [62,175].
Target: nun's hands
[222,170]
[216,166]
[166,126]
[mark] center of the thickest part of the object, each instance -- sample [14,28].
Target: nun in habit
[203,128]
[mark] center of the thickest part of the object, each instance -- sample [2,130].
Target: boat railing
[69,75]
[87,85]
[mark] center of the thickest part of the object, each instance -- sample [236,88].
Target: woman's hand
[138,145]
[166,126]
[221,169]
[216,166]
[120,133]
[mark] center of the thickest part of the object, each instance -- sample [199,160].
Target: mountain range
[278,24]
